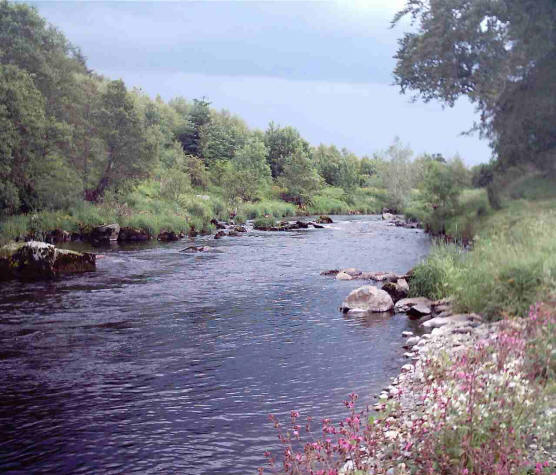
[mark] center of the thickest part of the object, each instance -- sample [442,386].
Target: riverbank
[477,393]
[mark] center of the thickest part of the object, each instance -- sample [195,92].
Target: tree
[397,175]
[222,136]
[248,173]
[22,126]
[282,142]
[129,144]
[499,54]
[299,178]
[193,127]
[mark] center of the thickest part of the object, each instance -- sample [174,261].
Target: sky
[322,67]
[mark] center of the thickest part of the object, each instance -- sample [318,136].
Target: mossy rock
[38,260]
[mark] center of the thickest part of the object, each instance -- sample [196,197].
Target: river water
[166,362]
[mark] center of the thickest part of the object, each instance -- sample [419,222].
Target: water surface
[165,362]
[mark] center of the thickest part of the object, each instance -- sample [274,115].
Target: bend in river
[164,361]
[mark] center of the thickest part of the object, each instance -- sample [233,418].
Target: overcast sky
[323,67]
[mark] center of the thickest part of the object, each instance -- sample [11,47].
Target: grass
[512,264]
[275,208]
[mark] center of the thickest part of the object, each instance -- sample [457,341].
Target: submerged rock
[197,249]
[404,305]
[39,260]
[220,235]
[368,298]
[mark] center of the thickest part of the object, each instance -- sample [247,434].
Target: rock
[324,220]
[343,276]
[411,342]
[197,249]
[104,234]
[380,276]
[387,216]
[232,233]
[71,262]
[351,271]
[368,298]
[330,272]
[219,235]
[438,322]
[407,368]
[56,236]
[407,333]
[404,305]
[398,290]
[39,260]
[218,224]
[316,226]
[133,234]
[167,236]
[240,229]
[417,311]
[301,225]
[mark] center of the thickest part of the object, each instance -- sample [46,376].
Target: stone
[387,216]
[104,234]
[219,235]
[330,272]
[239,229]
[438,322]
[411,342]
[351,271]
[407,333]
[39,260]
[133,234]
[196,249]
[167,236]
[218,224]
[324,220]
[417,311]
[56,236]
[343,276]
[404,305]
[316,226]
[368,298]
[397,291]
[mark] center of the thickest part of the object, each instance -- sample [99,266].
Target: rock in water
[133,234]
[324,220]
[39,260]
[167,236]
[343,276]
[368,298]
[105,234]
[398,290]
[419,310]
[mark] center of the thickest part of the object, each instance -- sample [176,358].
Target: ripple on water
[164,361]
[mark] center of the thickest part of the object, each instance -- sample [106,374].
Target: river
[167,362]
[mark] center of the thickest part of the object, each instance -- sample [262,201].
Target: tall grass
[512,264]
[275,208]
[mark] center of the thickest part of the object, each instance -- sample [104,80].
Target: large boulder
[104,234]
[39,260]
[368,298]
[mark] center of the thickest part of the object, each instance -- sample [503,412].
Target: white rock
[368,298]
[343,276]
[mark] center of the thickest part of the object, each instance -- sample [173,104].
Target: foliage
[299,178]
[500,55]
[477,411]
[397,175]
[512,263]
[282,142]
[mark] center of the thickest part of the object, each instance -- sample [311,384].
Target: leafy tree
[129,144]
[481,175]
[222,136]
[282,142]
[22,128]
[299,178]
[501,55]
[248,173]
[397,175]
[337,168]
[192,129]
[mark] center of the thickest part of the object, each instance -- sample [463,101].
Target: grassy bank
[145,209]
[512,263]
